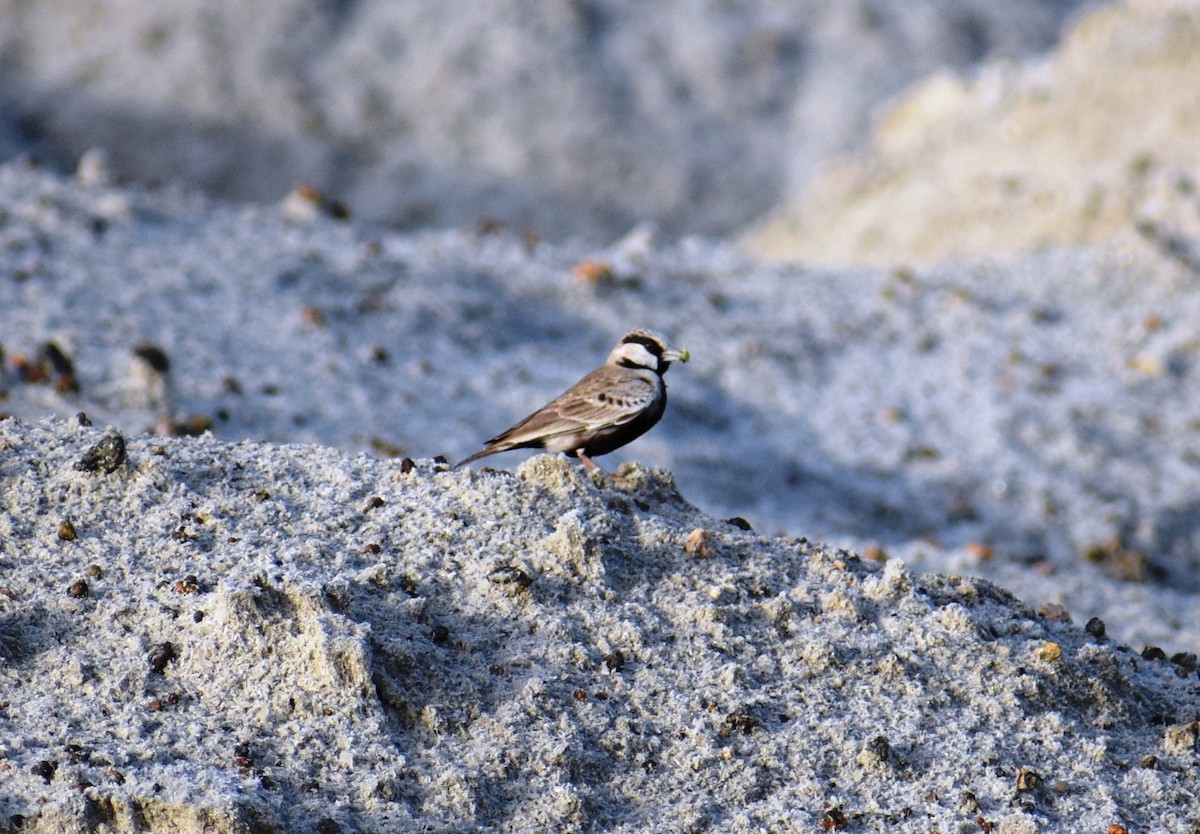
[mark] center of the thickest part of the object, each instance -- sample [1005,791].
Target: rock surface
[252,637]
[1094,145]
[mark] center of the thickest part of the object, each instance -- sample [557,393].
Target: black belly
[604,443]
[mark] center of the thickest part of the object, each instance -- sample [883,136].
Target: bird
[611,406]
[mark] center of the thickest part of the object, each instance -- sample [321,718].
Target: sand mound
[1095,145]
[280,638]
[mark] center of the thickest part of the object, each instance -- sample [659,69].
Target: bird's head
[646,349]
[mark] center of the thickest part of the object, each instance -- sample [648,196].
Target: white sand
[357,648]
[1039,406]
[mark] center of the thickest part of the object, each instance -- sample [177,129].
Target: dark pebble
[615,660]
[510,575]
[740,721]
[1153,653]
[440,634]
[407,465]
[66,530]
[1184,660]
[1095,627]
[154,356]
[45,769]
[105,456]
[739,522]
[833,820]
[160,655]
[58,359]
[78,589]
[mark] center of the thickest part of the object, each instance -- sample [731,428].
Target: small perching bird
[614,404]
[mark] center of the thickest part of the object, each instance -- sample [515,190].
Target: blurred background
[565,118]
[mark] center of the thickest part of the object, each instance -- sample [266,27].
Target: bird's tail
[482,453]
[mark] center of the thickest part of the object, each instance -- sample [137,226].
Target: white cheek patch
[636,354]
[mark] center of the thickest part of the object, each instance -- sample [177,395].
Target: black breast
[605,442]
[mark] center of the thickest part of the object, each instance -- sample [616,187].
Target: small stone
[1153,653]
[1049,652]
[1027,779]
[45,769]
[615,660]
[190,584]
[66,530]
[979,552]
[160,655]
[1185,661]
[739,522]
[512,576]
[78,589]
[106,456]
[592,272]
[875,553]
[407,465]
[740,720]
[154,356]
[1095,627]
[832,820]
[699,544]
[94,571]
[1056,612]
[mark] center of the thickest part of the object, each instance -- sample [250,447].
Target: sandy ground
[1033,420]
[914,548]
[266,637]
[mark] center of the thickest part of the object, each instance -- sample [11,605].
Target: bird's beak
[672,355]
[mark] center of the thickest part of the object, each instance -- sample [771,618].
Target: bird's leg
[588,462]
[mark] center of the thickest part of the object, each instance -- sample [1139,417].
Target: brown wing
[606,397]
